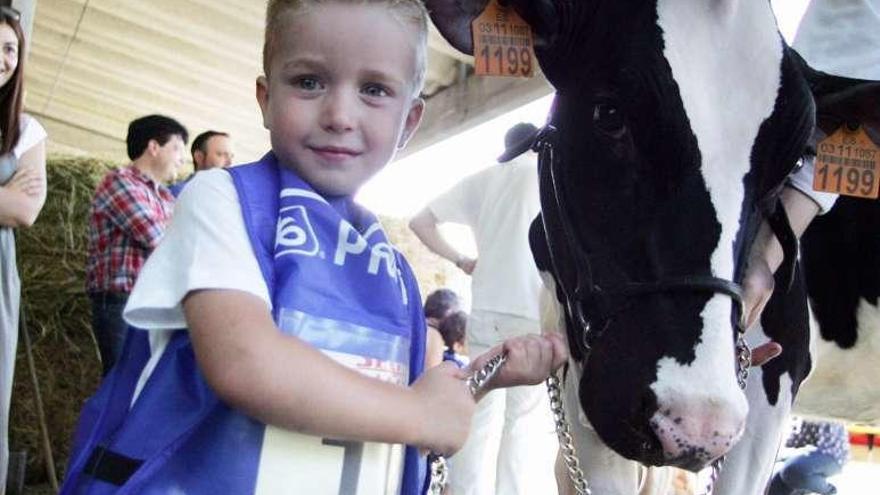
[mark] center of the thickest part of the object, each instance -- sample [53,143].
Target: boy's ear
[262,91]
[413,118]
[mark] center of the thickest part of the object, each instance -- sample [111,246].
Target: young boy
[303,325]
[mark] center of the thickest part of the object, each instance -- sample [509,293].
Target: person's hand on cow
[758,286]
[765,257]
[531,359]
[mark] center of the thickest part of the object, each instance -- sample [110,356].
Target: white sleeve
[31,134]
[802,180]
[206,246]
[461,203]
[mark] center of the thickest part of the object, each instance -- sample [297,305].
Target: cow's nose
[695,430]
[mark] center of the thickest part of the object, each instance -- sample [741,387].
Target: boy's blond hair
[412,11]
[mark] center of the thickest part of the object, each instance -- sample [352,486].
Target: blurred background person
[129,212]
[210,149]
[453,329]
[438,305]
[813,452]
[22,194]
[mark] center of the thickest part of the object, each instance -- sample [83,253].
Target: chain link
[743,363]
[566,444]
[439,468]
[437,463]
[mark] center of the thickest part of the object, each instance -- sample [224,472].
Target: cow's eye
[608,118]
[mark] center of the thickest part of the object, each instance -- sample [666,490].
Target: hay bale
[52,259]
[432,271]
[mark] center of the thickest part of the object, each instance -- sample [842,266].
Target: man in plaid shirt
[129,212]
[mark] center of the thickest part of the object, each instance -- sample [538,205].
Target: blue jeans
[804,474]
[108,326]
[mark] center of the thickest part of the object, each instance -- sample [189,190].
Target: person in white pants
[512,446]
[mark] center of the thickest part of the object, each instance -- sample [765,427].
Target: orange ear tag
[848,162]
[502,43]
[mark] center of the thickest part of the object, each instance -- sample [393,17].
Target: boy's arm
[281,380]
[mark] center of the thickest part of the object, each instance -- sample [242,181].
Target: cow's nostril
[694,433]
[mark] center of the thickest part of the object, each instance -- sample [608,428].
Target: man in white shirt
[512,446]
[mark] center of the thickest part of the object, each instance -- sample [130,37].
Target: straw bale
[432,271]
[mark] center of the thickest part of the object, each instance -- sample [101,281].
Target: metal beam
[471,102]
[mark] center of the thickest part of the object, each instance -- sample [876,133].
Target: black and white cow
[676,123]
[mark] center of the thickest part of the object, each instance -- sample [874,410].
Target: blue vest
[336,283]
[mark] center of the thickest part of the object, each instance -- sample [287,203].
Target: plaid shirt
[127,219]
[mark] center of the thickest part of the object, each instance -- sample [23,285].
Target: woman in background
[22,194]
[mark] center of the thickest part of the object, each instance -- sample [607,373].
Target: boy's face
[339,100]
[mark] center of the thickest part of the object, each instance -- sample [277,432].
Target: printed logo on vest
[294,234]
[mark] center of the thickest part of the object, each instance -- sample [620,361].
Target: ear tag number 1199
[502,43]
[848,162]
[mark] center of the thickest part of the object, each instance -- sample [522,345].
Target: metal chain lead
[566,444]
[437,463]
[743,363]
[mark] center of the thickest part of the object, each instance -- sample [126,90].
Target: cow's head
[676,122]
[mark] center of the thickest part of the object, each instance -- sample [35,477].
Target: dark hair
[453,328]
[152,127]
[200,143]
[11,92]
[440,303]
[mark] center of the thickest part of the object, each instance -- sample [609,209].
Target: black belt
[109,466]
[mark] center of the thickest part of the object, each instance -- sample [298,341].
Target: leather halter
[587,302]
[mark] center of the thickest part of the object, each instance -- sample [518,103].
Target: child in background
[453,329]
[285,336]
[438,305]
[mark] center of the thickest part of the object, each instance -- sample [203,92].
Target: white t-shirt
[31,134]
[499,204]
[206,246]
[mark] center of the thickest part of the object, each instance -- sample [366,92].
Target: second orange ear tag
[502,43]
[848,162]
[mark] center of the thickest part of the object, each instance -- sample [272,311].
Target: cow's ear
[453,19]
[842,100]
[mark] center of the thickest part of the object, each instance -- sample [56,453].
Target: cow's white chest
[844,383]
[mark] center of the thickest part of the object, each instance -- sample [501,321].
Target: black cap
[518,140]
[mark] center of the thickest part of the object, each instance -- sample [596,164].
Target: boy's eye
[376,90]
[308,83]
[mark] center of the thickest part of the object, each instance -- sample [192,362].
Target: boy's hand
[530,359]
[446,406]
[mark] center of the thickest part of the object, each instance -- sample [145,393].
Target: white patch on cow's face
[726,58]
[843,383]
